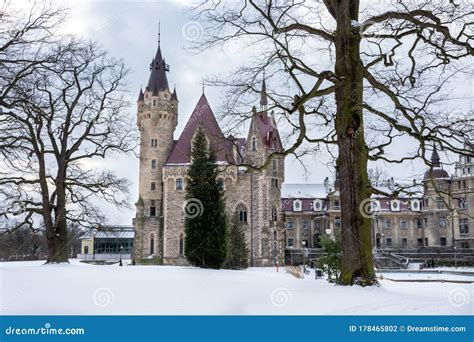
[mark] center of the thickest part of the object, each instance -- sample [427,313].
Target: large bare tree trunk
[357,264]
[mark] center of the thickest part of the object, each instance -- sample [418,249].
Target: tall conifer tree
[206,222]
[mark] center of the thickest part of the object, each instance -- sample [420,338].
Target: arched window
[241,212]
[152,244]
[181,244]
[254,143]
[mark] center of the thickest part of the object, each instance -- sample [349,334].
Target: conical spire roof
[435,171]
[435,161]
[158,80]
[263,94]
[174,96]
[141,96]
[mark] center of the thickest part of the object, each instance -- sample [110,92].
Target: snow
[78,288]
[355,23]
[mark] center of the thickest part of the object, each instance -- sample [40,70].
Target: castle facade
[253,198]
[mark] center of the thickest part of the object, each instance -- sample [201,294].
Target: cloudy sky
[128,29]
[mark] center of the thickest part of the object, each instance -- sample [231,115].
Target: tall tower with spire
[157,117]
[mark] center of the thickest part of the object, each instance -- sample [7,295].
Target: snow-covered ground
[77,288]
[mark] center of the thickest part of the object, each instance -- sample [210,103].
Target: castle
[278,218]
[253,197]
[439,215]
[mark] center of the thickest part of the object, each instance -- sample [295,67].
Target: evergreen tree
[205,222]
[238,252]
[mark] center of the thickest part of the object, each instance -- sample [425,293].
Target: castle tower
[462,190]
[266,221]
[157,117]
[437,223]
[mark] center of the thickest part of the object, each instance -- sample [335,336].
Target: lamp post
[121,248]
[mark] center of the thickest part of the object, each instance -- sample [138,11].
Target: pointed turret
[435,161]
[158,80]
[174,96]
[263,96]
[141,96]
[435,171]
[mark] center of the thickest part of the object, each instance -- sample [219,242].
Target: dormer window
[297,205]
[395,205]
[317,205]
[374,206]
[415,205]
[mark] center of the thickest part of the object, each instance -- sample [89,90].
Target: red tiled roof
[202,115]
[268,132]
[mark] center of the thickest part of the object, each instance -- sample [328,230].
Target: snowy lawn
[77,288]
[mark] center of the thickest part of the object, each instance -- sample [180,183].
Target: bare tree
[66,115]
[362,79]
[25,38]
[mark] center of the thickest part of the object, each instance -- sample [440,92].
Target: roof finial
[159,33]
[263,94]
[203,85]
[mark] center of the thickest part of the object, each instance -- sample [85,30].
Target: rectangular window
[426,241]
[403,224]
[464,226]
[274,166]
[464,244]
[153,164]
[305,224]
[337,222]
[289,224]
[387,223]
[290,242]
[442,241]
[337,204]
[404,242]
[439,203]
[419,223]
[274,183]
[153,186]
[389,242]
[152,208]
[419,242]
[154,143]
[179,184]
